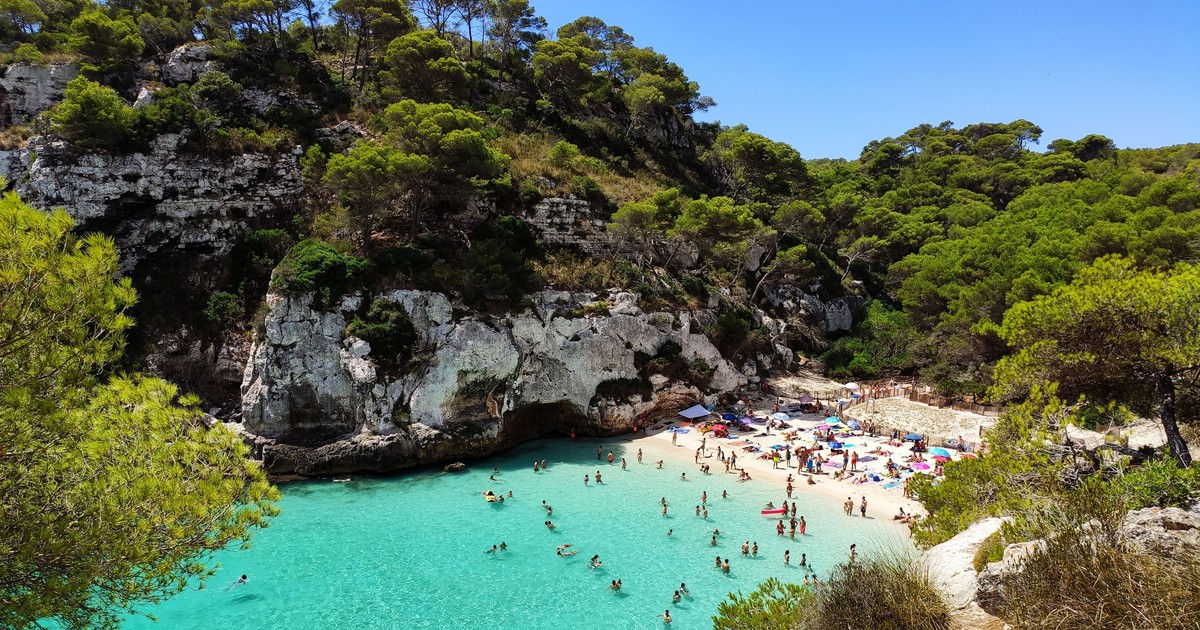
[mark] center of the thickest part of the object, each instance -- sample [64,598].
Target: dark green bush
[669,349]
[222,308]
[388,329]
[315,267]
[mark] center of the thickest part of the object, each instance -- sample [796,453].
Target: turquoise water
[409,551]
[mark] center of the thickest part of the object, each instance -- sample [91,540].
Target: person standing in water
[610,458]
[787,557]
[746,548]
[598,453]
[853,552]
[803,526]
[683,589]
[598,477]
[585,479]
[622,463]
[862,507]
[754,549]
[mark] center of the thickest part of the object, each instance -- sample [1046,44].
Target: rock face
[570,223]
[1171,531]
[951,567]
[27,90]
[478,384]
[159,201]
[186,63]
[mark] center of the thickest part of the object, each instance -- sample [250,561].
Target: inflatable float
[775,513]
[490,496]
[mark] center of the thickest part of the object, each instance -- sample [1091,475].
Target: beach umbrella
[755,420]
[913,436]
[939,451]
[728,416]
[843,402]
[921,466]
[806,399]
[853,424]
[719,427]
[780,416]
[823,427]
[851,385]
[941,459]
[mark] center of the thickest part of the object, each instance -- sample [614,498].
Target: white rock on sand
[915,417]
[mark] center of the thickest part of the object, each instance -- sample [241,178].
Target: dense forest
[457,104]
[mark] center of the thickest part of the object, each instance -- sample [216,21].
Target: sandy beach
[898,413]
[656,444]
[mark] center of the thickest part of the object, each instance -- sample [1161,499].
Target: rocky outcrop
[161,201]
[478,383]
[951,566]
[186,63]
[27,90]
[826,316]
[1171,531]
[571,223]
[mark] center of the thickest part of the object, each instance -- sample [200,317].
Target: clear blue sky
[827,77]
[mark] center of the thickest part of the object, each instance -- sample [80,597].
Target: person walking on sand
[862,507]
[854,462]
[848,506]
[674,438]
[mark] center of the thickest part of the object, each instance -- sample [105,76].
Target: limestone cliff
[162,201]
[478,384]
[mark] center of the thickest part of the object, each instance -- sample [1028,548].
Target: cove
[409,551]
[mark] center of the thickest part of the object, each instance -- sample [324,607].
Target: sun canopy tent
[698,411]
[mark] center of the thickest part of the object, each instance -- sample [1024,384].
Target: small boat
[775,513]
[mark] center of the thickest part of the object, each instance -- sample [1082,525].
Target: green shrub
[28,53]
[315,267]
[222,308]
[92,116]
[388,329]
[1160,483]
[669,349]
[562,154]
[884,593]
[585,187]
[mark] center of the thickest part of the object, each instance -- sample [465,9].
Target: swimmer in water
[725,565]
[585,480]
[746,548]
[724,494]
[754,549]
[494,549]
[683,476]
[550,525]
[704,512]
[664,512]
[595,562]
[660,464]
[562,551]
[510,494]
[503,546]
[697,510]
[663,501]
[598,477]
[718,562]
[683,589]
[676,597]
[543,464]
[670,531]
[666,616]
[714,542]
[238,582]
[535,465]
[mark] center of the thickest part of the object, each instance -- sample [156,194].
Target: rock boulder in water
[455,467]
